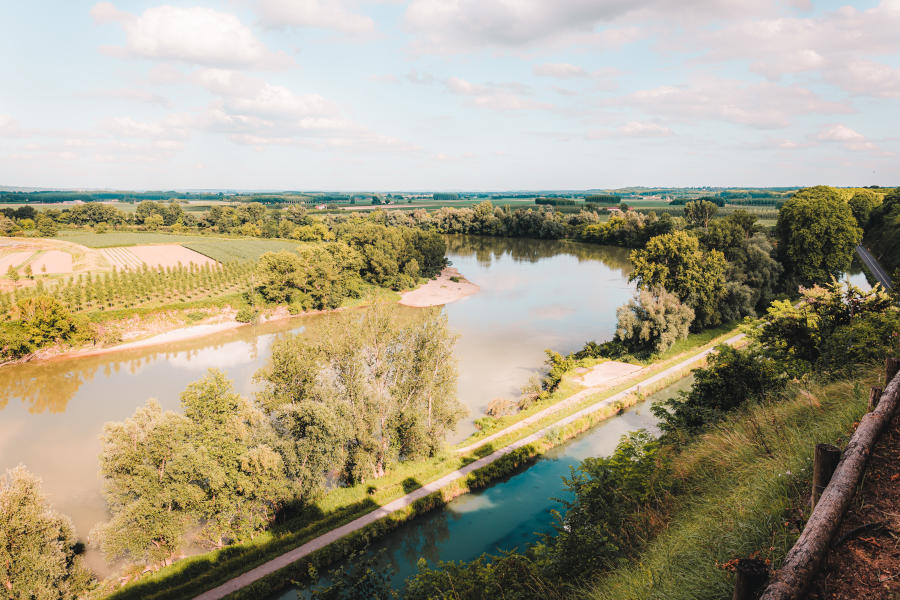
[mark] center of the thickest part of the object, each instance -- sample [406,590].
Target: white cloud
[447,25]
[502,96]
[558,70]
[635,129]
[779,46]
[133,95]
[319,14]
[644,129]
[849,138]
[759,105]
[9,127]
[194,35]
[865,77]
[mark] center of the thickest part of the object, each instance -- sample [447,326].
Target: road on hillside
[292,556]
[874,267]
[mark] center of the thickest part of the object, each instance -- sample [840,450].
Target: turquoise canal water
[510,514]
[534,295]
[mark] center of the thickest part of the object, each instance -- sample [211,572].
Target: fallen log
[803,560]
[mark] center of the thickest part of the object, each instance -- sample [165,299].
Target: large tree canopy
[367,391]
[38,551]
[675,262]
[816,233]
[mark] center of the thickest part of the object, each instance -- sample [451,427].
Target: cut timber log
[825,461]
[751,576]
[874,396]
[803,560]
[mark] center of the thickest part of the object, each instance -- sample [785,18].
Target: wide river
[534,295]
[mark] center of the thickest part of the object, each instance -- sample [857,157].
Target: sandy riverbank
[442,290]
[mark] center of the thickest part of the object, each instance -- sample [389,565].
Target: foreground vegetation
[643,509]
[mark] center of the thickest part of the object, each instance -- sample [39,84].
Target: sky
[382,95]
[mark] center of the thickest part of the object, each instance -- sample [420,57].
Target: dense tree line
[323,275]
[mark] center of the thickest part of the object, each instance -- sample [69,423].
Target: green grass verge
[738,487]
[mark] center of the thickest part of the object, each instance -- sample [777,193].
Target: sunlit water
[534,295]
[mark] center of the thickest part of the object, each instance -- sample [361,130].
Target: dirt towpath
[323,540]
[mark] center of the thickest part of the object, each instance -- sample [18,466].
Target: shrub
[732,379]
[867,339]
[652,322]
[246,314]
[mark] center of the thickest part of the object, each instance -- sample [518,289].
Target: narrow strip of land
[323,540]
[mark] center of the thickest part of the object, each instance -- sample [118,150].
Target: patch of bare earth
[52,261]
[168,255]
[864,559]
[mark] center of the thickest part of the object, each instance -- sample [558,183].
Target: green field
[225,250]
[126,238]
[221,249]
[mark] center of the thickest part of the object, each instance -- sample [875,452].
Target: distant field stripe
[225,250]
[122,258]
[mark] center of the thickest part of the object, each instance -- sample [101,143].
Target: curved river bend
[534,295]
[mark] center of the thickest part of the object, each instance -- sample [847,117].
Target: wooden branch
[803,560]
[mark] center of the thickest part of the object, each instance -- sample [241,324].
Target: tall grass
[736,488]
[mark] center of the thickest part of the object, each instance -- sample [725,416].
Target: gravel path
[323,540]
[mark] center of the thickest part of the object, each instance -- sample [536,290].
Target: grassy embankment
[342,505]
[740,490]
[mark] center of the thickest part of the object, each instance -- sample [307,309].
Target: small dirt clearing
[52,261]
[606,373]
[13,259]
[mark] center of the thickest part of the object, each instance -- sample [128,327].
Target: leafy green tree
[373,388]
[153,222]
[213,473]
[676,262]
[244,482]
[7,225]
[699,212]
[883,231]
[653,321]
[46,320]
[148,468]
[39,554]
[794,334]
[732,379]
[816,234]
[12,274]
[46,226]
[862,204]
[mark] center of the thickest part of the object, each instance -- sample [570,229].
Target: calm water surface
[534,295]
[510,514]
